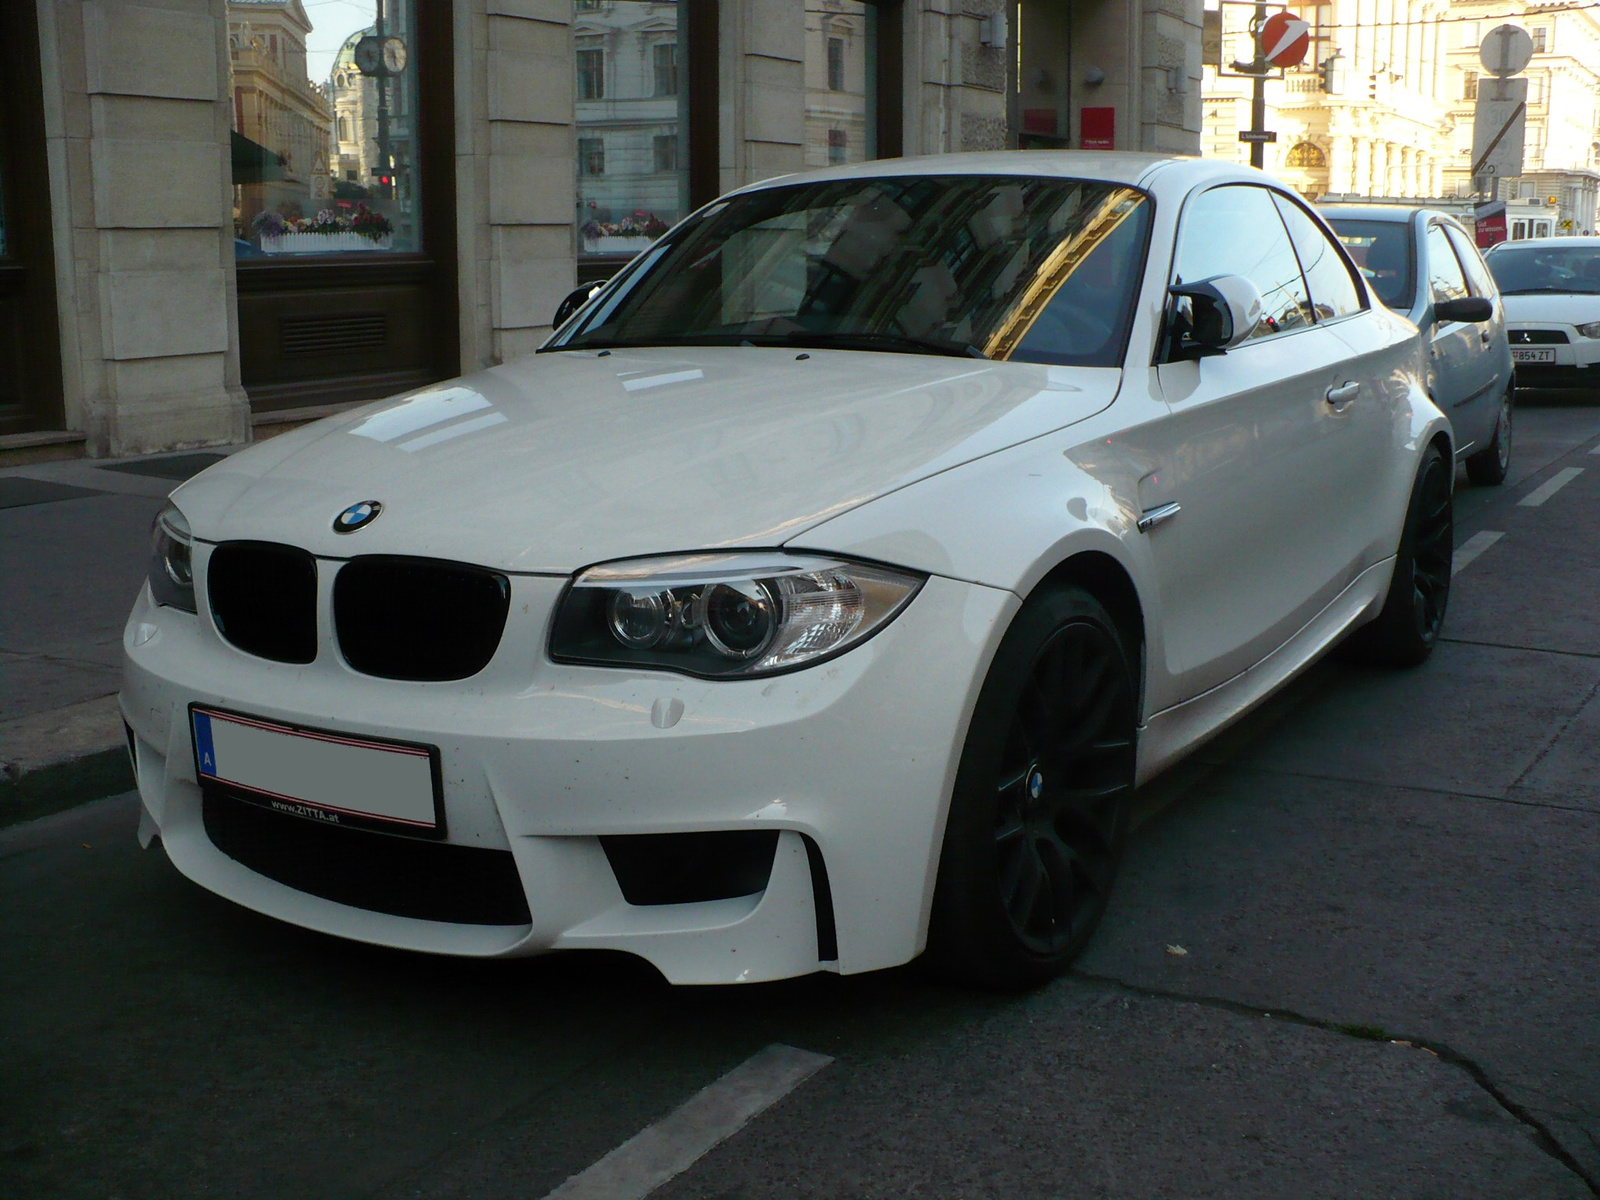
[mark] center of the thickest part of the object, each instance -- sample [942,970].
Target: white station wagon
[819,593]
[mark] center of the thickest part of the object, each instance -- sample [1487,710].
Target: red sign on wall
[1097,129]
[1490,227]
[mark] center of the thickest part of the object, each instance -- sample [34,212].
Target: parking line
[1550,487]
[669,1147]
[1471,548]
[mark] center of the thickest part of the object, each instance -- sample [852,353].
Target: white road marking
[1472,547]
[669,1147]
[1596,450]
[1550,487]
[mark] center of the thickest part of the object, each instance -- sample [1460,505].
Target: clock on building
[380,55]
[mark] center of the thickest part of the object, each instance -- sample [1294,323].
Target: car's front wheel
[1407,628]
[1036,820]
[1489,466]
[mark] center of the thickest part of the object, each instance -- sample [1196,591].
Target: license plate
[1521,354]
[319,775]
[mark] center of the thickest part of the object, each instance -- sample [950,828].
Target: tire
[1488,467]
[1405,631]
[1037,817]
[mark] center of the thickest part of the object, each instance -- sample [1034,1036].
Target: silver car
[1423,264]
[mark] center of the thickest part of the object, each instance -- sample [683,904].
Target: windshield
[1546,269]
[1035,270]
[1382,250]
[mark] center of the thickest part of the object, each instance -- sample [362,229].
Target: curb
[60,759]
[63,785]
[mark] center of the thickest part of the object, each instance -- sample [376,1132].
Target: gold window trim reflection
[1057,268]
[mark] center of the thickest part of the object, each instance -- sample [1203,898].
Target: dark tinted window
[1235,230]
[1382,252]
[1333,292]
[1041,270]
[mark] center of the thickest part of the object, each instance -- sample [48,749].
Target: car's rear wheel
[1489,466]
[1407,628]
[1036,820]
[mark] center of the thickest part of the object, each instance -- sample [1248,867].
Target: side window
[1333,291]
[1444,272]
[1477,273]
[1235,230]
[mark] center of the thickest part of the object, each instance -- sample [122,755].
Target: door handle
[1342,395]
[1151,517]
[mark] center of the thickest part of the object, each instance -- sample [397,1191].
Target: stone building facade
[182,320]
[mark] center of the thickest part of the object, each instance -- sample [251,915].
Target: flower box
[608,243]
[322,243]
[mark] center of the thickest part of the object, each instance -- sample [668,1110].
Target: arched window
[1305,154]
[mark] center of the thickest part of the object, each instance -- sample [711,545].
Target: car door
[1495,349]
[1461,370]
[1262,450]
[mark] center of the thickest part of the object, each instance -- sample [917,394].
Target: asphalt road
[1353,952]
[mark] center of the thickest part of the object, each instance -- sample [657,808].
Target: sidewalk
[74,538]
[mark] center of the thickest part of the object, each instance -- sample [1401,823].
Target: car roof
[1127,167]
[1398,214]
[1546,242]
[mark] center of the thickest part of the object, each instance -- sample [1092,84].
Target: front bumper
[855,757]
[1543,361]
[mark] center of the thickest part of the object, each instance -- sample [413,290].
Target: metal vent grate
[330,334]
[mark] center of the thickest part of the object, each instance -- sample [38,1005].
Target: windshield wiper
[869,339]
[1560,291]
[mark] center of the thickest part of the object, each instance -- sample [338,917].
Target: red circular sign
[1284,40]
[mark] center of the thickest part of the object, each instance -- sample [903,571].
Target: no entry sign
[1284,40]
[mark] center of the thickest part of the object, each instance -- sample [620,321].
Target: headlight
[726,615]
[1592,329]
[171,560]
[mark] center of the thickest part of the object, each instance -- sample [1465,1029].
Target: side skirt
[1174,732]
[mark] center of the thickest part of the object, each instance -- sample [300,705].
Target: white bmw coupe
[818,594]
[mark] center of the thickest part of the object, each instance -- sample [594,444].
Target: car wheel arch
[1108,581]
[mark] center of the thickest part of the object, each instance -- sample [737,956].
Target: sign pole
[1258,96]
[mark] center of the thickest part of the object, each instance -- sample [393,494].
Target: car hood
[1564,308]
[561,460]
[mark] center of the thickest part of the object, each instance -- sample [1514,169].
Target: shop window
[841,68]
[666,67]
[591,74]
[343,194]
[305,183]
[634,184]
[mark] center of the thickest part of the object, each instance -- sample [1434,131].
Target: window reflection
[324,128]
[633,179]
[841,82]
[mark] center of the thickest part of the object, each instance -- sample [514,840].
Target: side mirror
[1467,308]
[1211,316]
[576,299]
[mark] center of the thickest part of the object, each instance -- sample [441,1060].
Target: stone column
[1361,177]
[137,130]
[1340,164]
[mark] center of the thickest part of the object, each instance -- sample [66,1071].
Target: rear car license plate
[333,778]
[1532,354]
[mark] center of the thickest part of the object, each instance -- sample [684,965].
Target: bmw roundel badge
[357,516]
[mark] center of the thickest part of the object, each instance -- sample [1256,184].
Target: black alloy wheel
[1405,631]
[1489,466]
[1036,824]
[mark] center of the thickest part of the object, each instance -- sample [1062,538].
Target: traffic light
[1326,68]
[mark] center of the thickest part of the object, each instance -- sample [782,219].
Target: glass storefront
[325,154]
[841,57]
[632,124]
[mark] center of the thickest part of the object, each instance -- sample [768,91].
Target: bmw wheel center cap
[357,516]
